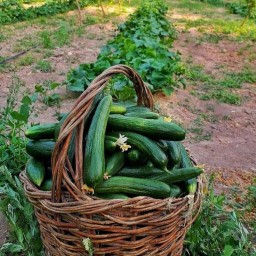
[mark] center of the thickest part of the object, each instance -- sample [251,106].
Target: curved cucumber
[110,143]
[94,159]
[139,172]
[134,186]
[175,190]
[173,153]
[41,131]
[190,184]
[136,157]
[47,185]
[148,147]
[143,114]
[113,164]
[150,127]
[35,171]
[177,175]
[40,149]
[112,196]
[117,108]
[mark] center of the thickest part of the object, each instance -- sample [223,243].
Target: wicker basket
[137,226]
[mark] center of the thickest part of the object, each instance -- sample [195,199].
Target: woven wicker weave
[137,226]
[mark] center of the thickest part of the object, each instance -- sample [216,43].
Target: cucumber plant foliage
[142,43]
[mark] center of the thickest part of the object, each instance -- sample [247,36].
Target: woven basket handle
[61,167]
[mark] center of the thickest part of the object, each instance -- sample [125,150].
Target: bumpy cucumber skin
[117,108]
[35,171]
[150,127]
[114,163]
[41,131]
[173,153]
[112,196]
[177,175]
[190,184]
[46,185]
[139,172]
[136,157]
[40,149]
[143,114]
[110,143]
[94,159]
[134,186]
[147,146]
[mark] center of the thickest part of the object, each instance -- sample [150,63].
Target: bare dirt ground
[226,145]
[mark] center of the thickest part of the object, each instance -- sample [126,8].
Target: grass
[223,96]
[44,66]
[220,89]
[220,228]
[209,20]
[27,60]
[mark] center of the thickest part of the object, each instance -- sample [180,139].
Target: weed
[217,231]
[222,96]
[46,40]
[211,38]
[44,66]
[44,92]
[196,73]
[62,35]
[24,237]
[27,60]
[90,20]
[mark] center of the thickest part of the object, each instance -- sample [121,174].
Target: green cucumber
[150,127]
[112,196]
[134,186]
[136,108]
[117,108]
[113,164]
[40,149]
[162,144]
[35,171]
[175,190]
[173,153]
[139,172]
[190,184]
[147,146]
[177,175]
[94,159]
[46,185]
[41,131]
[143,114]
[110,143]
[87,120]
[136,157]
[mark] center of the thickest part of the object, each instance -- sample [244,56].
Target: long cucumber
[94,159]
[147,146]
[177,175]
[158,129]
[134,186]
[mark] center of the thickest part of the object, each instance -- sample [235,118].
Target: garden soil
[227,138]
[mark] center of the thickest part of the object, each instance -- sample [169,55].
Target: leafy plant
[143,43]
[13,10]
[24,234]
[217,231]
[43,90]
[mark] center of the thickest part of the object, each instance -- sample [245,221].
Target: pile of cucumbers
[128,151]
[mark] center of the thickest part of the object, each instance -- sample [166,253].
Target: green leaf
[18,116]
[228,250]
[168,90]
[26,100]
